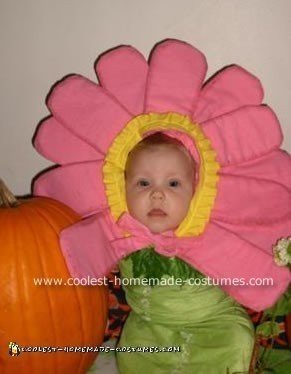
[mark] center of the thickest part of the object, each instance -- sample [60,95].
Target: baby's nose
[157,195]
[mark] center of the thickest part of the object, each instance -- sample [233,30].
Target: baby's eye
[174,183]
[143,183]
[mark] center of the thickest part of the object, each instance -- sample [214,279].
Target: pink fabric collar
[93,246]
[166,244]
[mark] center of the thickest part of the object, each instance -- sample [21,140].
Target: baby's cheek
[136,206]
[130,201]
[184,205]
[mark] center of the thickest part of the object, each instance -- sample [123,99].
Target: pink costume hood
[242,205]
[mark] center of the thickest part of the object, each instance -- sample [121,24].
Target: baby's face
[159,187]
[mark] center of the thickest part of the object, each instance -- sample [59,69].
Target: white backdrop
[43,40]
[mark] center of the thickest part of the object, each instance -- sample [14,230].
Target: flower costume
[241,206]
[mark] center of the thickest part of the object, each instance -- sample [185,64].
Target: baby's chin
[159,228]
[157,225]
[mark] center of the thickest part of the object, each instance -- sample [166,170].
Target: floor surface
[105,362]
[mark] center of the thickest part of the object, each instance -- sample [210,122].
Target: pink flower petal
[176,73]
[274,166]
[93,246]
[244,134]
[228,90]
[86,247]
[219,253]
[123,72]
[77,185]
[61,146]
[88,111]
[251,201]
[262,236]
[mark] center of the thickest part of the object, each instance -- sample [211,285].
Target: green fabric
[147,263]
[214,333]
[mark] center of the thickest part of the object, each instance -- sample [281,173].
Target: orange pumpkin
[43,316]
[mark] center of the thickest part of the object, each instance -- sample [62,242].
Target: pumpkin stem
[7,199]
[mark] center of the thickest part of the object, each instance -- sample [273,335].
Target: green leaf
[279,361]
[282,306]
[268,329]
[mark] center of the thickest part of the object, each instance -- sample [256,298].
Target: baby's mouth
[157,213]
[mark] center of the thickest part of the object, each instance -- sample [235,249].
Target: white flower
[282,252]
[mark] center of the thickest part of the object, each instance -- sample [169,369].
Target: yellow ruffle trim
[113,171]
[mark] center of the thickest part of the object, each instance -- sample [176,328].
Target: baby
[159,182]
[213,332]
